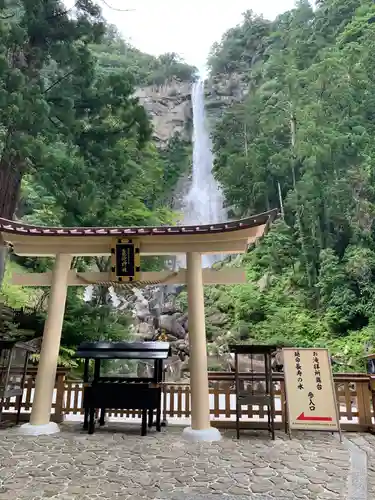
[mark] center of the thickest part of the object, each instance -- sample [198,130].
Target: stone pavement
[366,443]
[117,463]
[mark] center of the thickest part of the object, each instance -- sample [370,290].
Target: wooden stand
[13,354]
[252,395]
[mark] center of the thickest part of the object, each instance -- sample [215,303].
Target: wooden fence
[58,410]
[356,401]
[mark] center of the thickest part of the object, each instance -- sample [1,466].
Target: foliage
[65,358]
[76,147]
[92,320]
[240,45]
[15,296]
[114,54]
[305,128]
[177,159]
[45,67]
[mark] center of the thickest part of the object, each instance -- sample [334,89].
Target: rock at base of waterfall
[183,320]
[142,313]
[144,330]
[171,325]
[169,308]
[155,310]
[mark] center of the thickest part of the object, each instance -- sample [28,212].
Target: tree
[87,158]
[39,55]
[42,49]
[306,126]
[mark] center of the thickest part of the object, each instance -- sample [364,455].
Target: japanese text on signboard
[297,359]
[316,365]
[125,259]
[310,392]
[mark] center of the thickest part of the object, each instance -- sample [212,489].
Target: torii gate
[126,245]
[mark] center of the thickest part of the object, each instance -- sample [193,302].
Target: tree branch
[116,9]
[59,14]
[58,81]
[55,124]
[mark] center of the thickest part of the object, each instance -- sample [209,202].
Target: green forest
[302,140]
[77,148]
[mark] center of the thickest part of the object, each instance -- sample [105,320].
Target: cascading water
[204,203]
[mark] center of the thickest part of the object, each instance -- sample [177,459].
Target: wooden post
[364,403]
[200,429]
[60,391]
[40,419]
[372,390]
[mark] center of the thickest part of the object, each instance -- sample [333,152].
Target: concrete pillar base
[39,430]
[210,434]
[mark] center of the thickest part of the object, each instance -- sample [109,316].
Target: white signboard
[310,392]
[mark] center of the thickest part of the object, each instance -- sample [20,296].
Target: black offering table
[123,393]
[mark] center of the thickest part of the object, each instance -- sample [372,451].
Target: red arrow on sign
[313,419]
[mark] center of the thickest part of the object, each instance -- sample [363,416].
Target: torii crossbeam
[126,246]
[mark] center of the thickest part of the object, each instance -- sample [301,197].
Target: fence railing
[353,392]
[58,411]
[356,401]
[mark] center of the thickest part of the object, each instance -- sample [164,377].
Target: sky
[188,28]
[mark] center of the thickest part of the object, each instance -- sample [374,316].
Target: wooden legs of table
[271,419]
[238,422]
[86,419]
[158,423]
[91,425]
[150,418]
[19,404]
[144,423]
[102,419]
[158,419]
[90,416]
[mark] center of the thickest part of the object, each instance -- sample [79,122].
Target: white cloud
[188,28]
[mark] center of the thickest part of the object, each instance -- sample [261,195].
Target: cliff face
[169,107]
[222,91]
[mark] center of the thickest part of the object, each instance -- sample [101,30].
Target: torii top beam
[228,237]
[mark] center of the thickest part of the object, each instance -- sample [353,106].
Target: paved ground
[114,464]
[366,443]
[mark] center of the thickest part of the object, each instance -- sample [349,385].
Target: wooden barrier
[354,395]
[58,410]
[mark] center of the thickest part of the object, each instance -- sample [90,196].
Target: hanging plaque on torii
[125,260]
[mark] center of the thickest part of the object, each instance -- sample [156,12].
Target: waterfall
[204,203]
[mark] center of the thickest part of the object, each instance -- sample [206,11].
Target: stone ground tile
[117,463]
[366,443]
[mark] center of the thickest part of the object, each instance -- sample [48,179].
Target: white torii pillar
[200,429]
[45,380]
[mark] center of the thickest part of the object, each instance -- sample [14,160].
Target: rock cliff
[222,91]
[169,106]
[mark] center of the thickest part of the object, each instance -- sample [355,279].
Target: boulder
[155,310]
[217,319]
[141,312]
[168,308]
[183,320]
[144,329]
[171,325]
